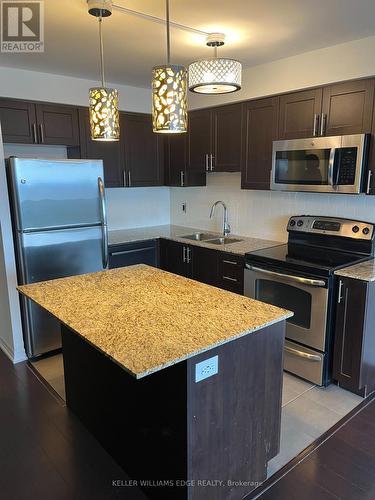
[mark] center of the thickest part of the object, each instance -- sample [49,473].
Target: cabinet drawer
[231,272]
[143,252]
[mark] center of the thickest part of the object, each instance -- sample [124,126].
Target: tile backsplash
[262,214]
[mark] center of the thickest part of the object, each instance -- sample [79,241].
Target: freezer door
[48,255]
[54,193]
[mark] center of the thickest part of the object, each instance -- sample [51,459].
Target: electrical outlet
[206,368]
[184,207]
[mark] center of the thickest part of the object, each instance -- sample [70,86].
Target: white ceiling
[258,31]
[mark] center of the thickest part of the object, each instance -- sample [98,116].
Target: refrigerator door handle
[104,222]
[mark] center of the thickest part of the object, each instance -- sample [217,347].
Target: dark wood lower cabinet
[354,351]
[210,266]
[168,427]
[140,252]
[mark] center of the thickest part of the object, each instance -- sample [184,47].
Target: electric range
[299,276]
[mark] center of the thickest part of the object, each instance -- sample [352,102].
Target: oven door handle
[288,277]
[301,354]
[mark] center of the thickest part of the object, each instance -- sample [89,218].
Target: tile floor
[308,411]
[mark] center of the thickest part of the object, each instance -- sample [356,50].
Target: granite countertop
[146,319]
[364,271]
[171,232]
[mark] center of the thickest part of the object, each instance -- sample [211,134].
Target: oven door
[307,298]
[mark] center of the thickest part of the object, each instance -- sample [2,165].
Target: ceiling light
[103,109]
[217,75]
[169,89]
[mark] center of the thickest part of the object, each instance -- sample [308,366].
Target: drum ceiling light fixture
[103,108]
[216,75]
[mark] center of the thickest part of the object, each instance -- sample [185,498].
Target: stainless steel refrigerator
[60,229]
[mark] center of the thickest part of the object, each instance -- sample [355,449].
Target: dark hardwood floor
[46,453]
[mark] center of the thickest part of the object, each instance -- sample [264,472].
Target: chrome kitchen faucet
[226,226]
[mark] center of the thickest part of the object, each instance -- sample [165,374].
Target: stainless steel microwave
[323,164]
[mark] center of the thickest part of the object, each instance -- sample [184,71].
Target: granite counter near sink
[176,233]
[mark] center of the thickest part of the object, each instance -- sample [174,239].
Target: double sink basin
[211,238]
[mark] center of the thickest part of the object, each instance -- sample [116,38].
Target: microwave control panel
[345,165]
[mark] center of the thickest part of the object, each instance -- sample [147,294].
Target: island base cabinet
[177,437]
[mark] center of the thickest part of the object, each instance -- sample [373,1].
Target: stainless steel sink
[200,236]
[223,241]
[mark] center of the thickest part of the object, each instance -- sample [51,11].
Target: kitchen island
[179,381]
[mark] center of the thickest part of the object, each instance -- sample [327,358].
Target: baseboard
[14,357]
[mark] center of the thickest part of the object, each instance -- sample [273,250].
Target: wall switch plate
[206,368]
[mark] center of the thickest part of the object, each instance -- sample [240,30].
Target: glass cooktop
[303,257]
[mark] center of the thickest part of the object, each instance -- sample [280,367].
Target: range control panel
[346,228]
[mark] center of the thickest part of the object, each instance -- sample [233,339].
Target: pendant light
[169,89]
[103,110]
[217,75]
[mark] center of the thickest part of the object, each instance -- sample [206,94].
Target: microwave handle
[332,175]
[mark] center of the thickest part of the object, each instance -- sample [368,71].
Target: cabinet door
[199,145]
[348,107]
[350,322]
[370,180]
[18,121]
[140,252]
[57,124]
[204,265]
[226,138]
[299,114]
[174,257]
[175,160]
[109,152]
[259,129]
[143,150]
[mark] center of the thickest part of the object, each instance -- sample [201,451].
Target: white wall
[24,84]
[261,214]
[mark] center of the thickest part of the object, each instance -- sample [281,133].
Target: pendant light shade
[169,94]
[104,115]
[217,75]
[103,101]
[169,104]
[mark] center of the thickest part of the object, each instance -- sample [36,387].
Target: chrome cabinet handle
[212,162]
[188,251]
[124,178]
[183,254]
[125,252]
[230,262]
[287,277]
[35,137]
[41,132]
[323,124]
[340,297]
[182,178]
[230,279]
[103,210]
[129,179]
[369,182]
[316,124]
[301,354]
[206,156]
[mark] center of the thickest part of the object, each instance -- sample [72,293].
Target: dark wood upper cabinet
[259,129]
[226,138]
[300,114]
[199,140]
[347,107]
[143,151]
[177,171]
[18,121]
[57,124]
[109,152]
[354,349]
